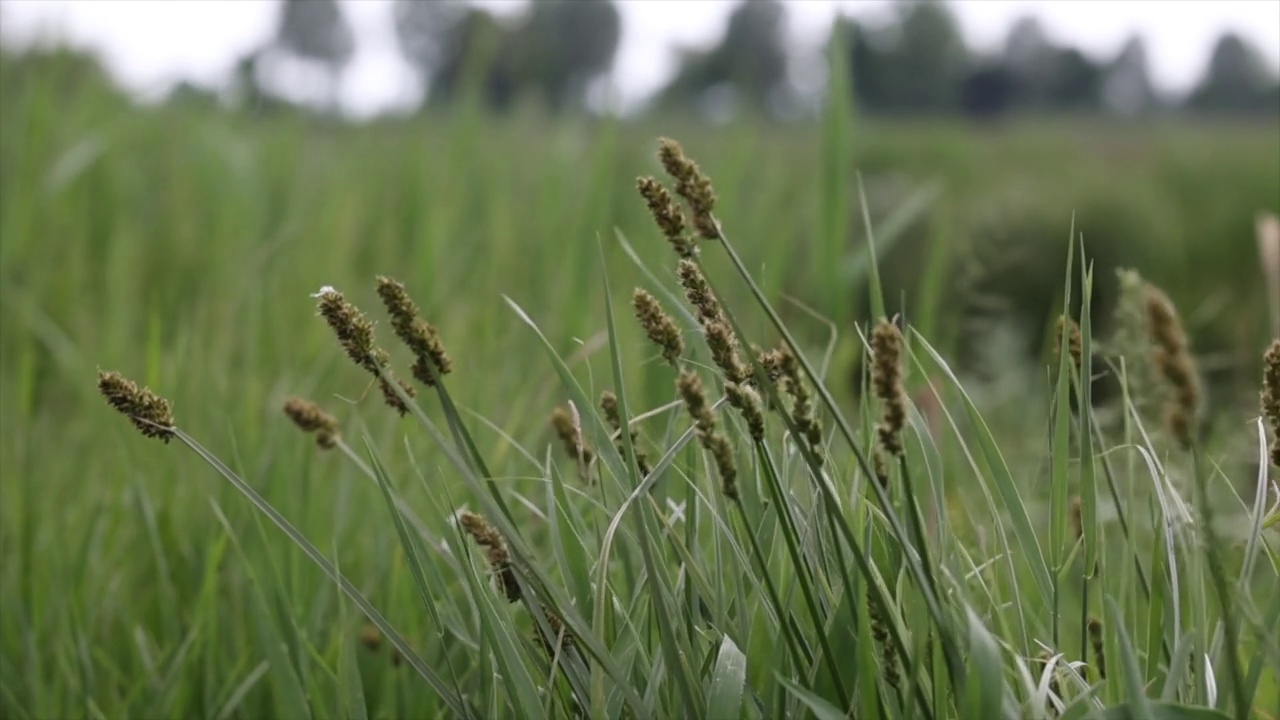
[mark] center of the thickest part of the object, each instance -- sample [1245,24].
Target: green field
[181,247]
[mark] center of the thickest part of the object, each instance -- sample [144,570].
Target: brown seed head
[569,431]
[666,213]
[1172,358]
[1271,395]
[311,419]
[370,637]
[658,325]
[704,419]
[698,292]
[1075,343]
[609,404]
[724,351]
[692,185]
[888,651]
[355,334]
[487,537]
[353,328]
[151,414]
[802,406]
[560,636]
[747,401]
[886,380]
[413,331]
[1098,646]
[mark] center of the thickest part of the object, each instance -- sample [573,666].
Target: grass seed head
[569,430]
[311,419]
[413,331]
[698,292]
[612,414]
[667,214]
[1172,359]
[691,184]
[704,420]
[355,333]
[886,379]
[802,407]
[1097,645]
[724,352]
[747,401]
[151,414]
[496,553]
[658,325]
[370,637]
[1271,395]
[1075,343]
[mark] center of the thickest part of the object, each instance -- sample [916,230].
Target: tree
[918,65]
[749,62]
[427,32]
[1047,77]
[570,43]
[483,55]
[1236,80]
[988,91]
[930,59]
[1126,86]
[316,30]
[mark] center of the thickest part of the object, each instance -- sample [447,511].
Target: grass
[263,576]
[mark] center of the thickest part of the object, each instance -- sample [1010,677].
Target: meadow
[1024,534]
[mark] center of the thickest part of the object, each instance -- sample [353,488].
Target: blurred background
[158,156]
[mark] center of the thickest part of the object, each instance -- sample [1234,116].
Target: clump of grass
[693,613]
[311,419]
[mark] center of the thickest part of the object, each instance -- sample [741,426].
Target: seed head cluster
[569,430]
[414,332]
[713,441]
[151,414]
[1271,395]
[691,184]
[658,325]
[1172,359]
[495,547]
[311,419]
[355,333]
[1075,343]
[886,380]
[668,216]
[609,404]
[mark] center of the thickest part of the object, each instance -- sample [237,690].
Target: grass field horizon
[185,248]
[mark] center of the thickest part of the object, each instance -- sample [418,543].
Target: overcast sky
[148,44]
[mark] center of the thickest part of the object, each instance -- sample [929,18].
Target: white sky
[149,44]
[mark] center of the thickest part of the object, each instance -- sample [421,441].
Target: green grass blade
[728,681]
[458,706]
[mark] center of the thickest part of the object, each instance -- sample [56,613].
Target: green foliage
[181,248]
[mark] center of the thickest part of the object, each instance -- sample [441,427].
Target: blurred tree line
[558,52]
